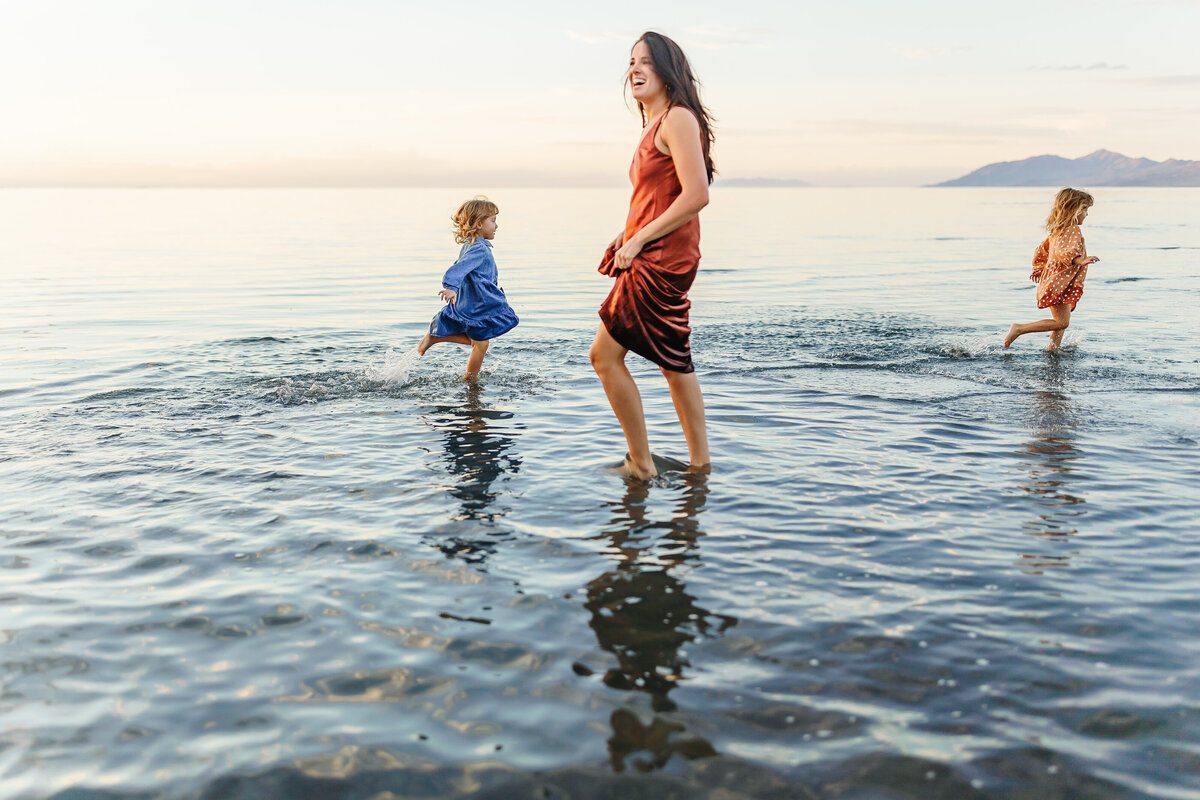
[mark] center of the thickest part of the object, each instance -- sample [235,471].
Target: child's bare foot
[1012,335]
[424,344]
[698,469]
[1050,348]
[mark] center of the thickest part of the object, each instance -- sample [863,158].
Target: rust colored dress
[1058,279]
[647,309]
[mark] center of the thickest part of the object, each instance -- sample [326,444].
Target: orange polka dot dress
[1058,279]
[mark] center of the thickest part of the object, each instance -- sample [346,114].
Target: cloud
[923,131]
[604,37]
[360,169]
[1098,66]
[1163,81]
[922,53]
[709,37]
[722,36]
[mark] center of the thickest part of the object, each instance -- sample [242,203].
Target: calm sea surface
[246,554]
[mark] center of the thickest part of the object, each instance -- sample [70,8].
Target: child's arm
[1070,252]
[475,256]
[1039,259]
[1084,259]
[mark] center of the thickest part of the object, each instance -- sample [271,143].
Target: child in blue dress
[476,309]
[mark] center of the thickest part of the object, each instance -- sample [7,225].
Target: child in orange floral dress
[1059,267]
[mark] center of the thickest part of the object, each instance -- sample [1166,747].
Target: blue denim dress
[481,310]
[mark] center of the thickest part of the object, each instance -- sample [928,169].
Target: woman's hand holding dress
[623,259]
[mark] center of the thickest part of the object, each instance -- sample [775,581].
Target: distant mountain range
[1101,168]
[760,182]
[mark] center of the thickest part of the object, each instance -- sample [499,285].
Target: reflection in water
[642,614]
[479,450]
[1050,458]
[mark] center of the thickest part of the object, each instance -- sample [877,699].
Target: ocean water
[252,548]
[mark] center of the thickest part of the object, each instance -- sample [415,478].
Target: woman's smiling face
[643,79]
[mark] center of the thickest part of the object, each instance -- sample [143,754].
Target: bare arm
[681,135]
[1073,252]
[1083,259]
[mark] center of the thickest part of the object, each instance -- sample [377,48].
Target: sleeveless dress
[647,309]
[1058,279]
[481,310]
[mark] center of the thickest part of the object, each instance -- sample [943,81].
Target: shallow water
[250,550]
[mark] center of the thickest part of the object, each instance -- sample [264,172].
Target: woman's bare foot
[698,469]
[632,470]
[1050,348]
[427,340]
[1012,335]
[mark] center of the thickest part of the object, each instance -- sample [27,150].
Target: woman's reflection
[642,613]
[478,452]
[1050,457]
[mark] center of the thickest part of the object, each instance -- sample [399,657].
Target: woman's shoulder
[680,116]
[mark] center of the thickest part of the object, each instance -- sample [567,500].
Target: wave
[255,340]
[699,770]
[119,394]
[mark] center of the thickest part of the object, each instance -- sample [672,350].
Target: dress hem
[691,367]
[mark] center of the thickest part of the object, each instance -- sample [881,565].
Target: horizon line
[475,187]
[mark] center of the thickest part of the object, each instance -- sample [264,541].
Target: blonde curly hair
[1068,205]
[469,216]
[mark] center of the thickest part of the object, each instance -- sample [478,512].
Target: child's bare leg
[1063,316]
[1059,321]
[429,340]
[689,406]
[475,360]
[608,359]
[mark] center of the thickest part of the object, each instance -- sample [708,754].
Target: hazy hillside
[1101,168]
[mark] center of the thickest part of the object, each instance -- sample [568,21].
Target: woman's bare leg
[1060,320]
[608,359]
[689,406]
[475,360]
[429,340]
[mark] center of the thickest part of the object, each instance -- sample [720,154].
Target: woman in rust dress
[655,258]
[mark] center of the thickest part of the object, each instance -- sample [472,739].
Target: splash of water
[972,346]
[396,366]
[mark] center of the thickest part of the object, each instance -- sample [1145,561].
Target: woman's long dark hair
[682,88]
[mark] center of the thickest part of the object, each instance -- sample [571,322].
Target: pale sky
[463,93]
